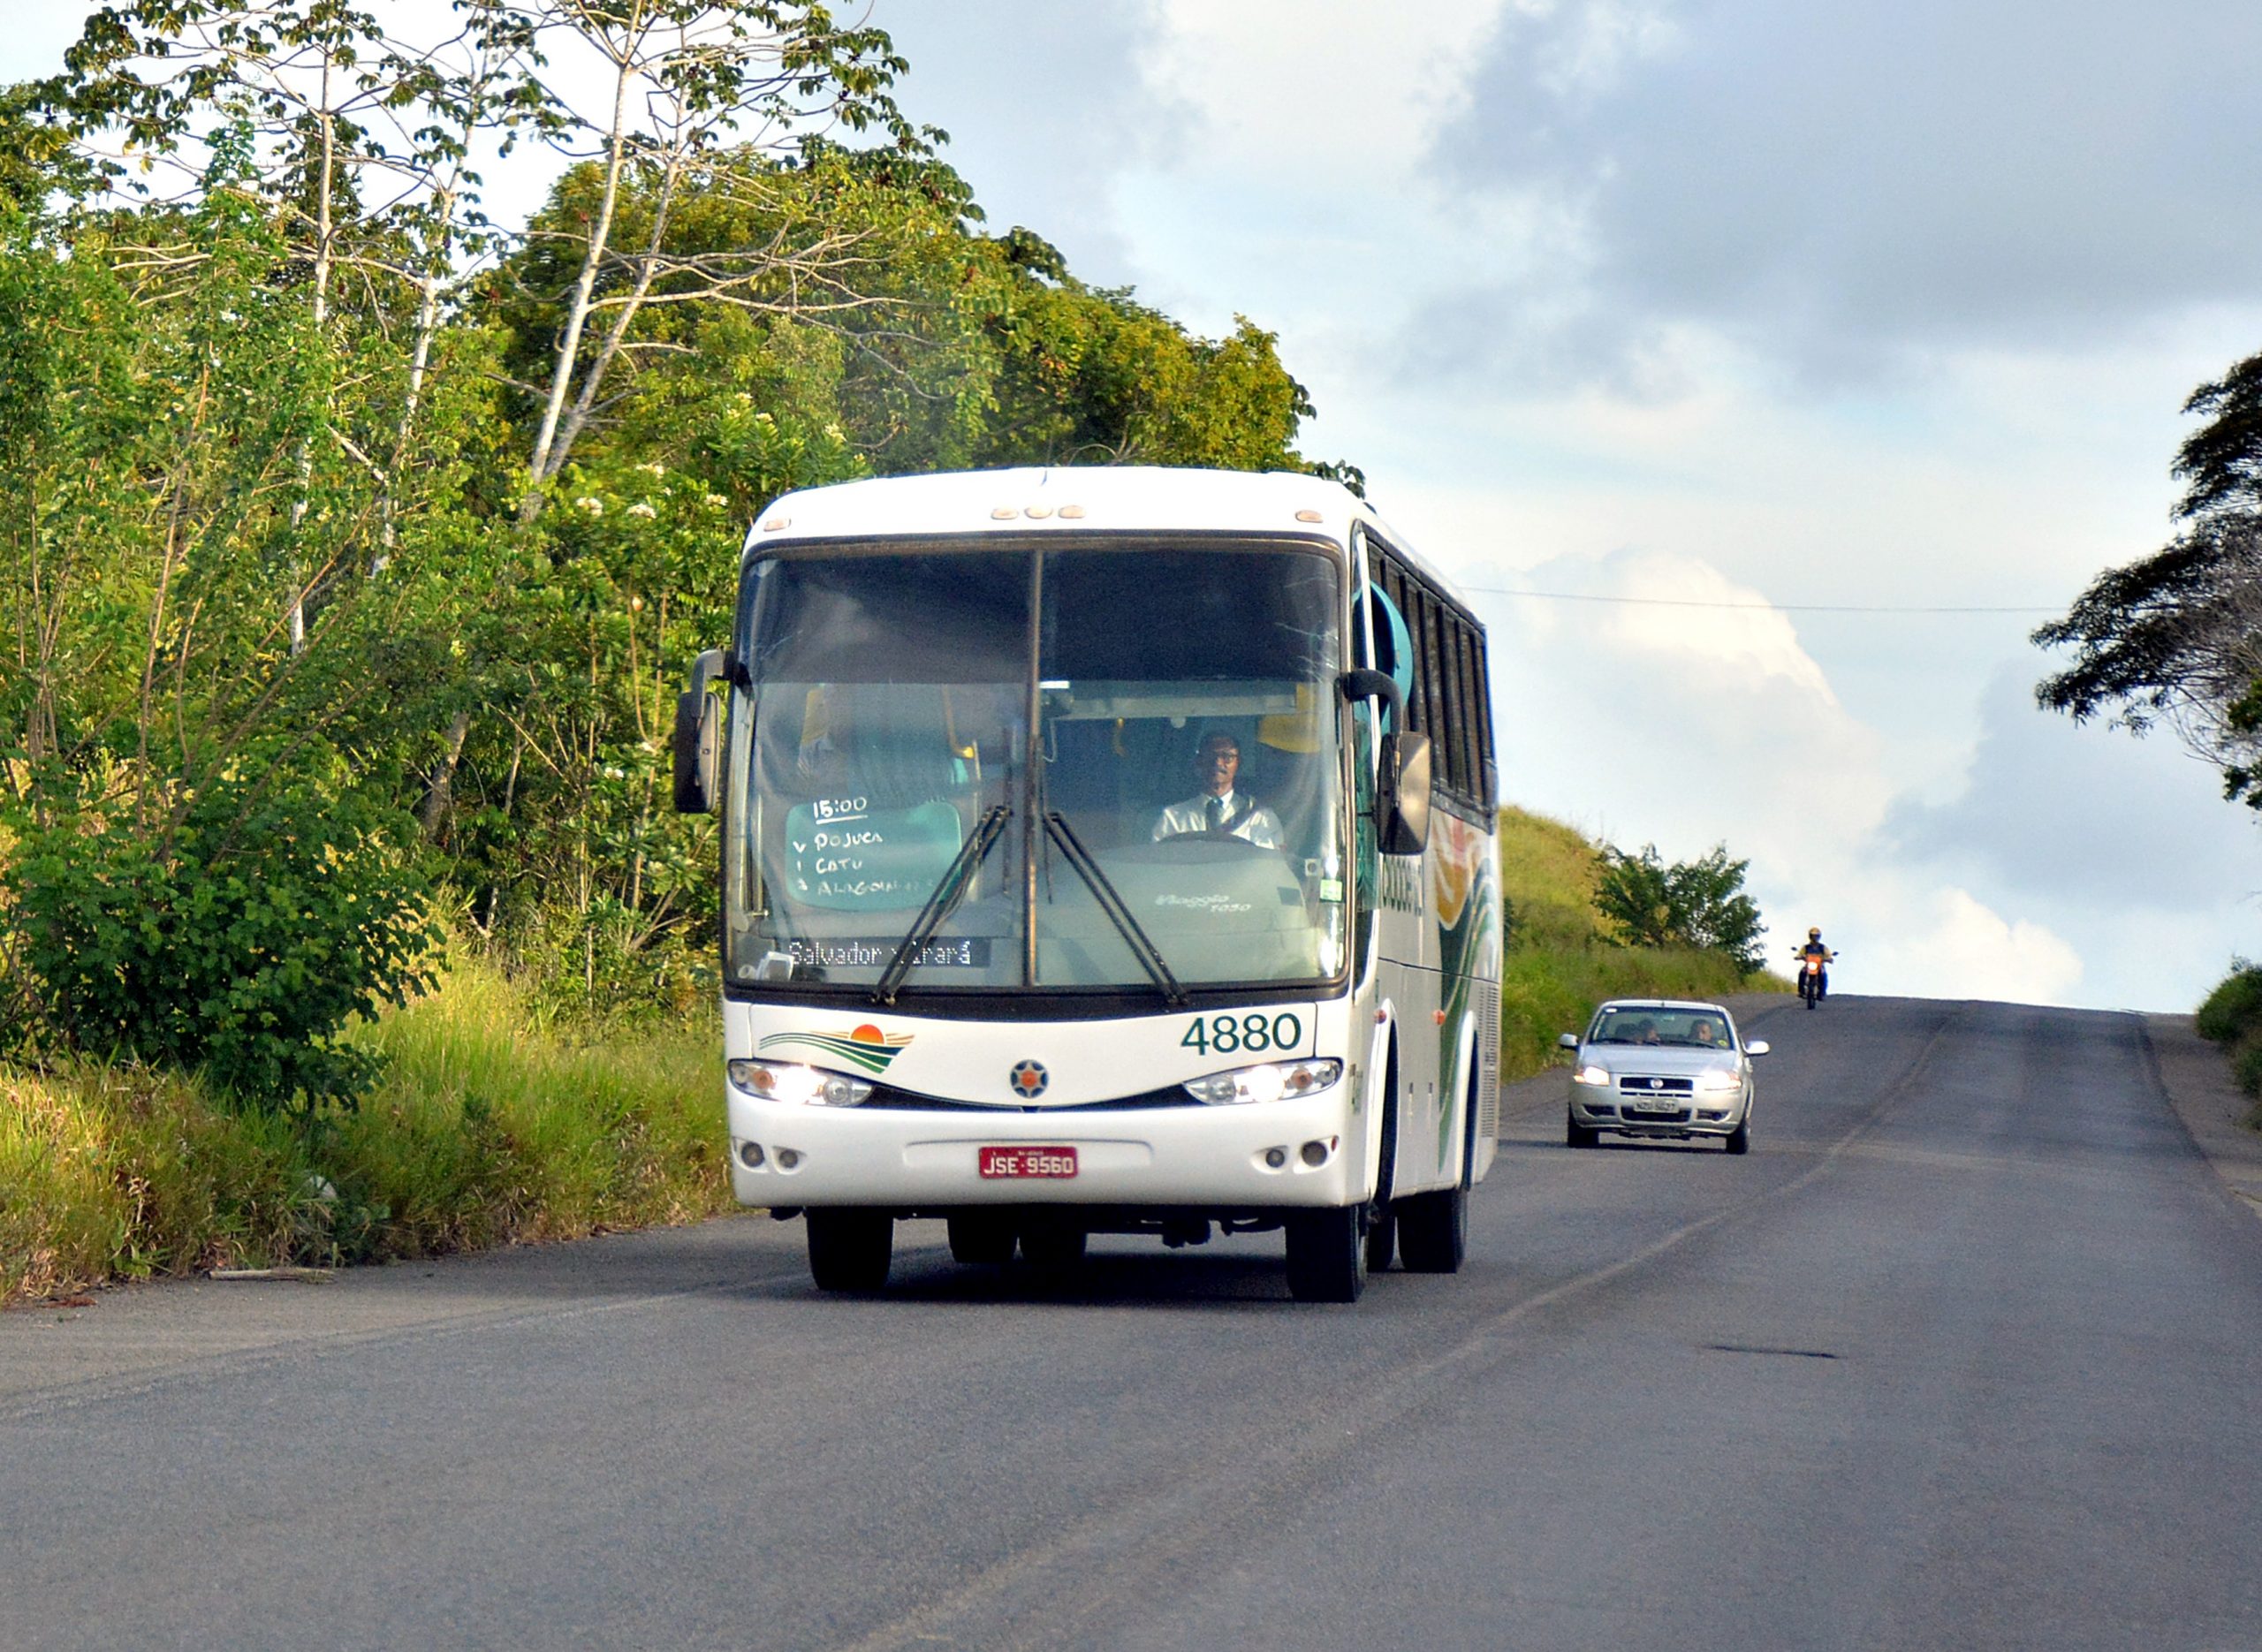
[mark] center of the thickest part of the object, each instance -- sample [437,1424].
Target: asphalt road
[1967,1353]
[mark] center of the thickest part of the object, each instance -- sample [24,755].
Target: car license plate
[1654,1105]
[1054,1162]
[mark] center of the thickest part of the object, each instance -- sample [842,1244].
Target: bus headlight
[790,1082]
[1268,1082]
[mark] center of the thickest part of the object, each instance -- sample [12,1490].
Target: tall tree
[685,81]
[2176,637]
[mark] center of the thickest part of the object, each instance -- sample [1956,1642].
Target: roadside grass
[489,1126]
[1560,964]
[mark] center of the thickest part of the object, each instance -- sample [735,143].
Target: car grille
[1666,1116]
[1637,1088]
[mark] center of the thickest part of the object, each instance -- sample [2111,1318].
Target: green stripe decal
[871,1057]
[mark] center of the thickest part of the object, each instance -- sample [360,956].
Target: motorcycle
[1814,976]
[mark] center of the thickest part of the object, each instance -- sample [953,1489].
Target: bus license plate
[1058,1163]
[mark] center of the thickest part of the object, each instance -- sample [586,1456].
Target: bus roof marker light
[1004,513]
[1038,512]
[777,522]
[1072,514]
[1309,516]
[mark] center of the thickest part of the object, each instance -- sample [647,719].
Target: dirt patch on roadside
[2196,1076]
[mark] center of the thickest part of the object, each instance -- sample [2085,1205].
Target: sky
[1750,302]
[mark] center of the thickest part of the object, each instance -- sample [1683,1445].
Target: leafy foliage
[2232,1016]
[1699,904]
[2177,635]
[327,505]
[239,944]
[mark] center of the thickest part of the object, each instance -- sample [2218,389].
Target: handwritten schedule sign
[847,856]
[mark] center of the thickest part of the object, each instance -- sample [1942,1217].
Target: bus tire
[983,1238]
[1434,1230]
[850,1250]
[1327,1256]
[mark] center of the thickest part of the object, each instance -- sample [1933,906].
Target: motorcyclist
[1822,955]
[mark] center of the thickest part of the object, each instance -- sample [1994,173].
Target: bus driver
[1218,806]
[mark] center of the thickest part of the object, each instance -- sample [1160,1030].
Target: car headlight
[790,1082]
[1719,1083]
[1591,1074]
[1268,1082]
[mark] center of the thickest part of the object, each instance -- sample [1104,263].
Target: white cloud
[1334,91]
[1957,948]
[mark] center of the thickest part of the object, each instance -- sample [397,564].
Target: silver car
[1660,1067]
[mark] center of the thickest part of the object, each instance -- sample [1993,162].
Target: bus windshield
[1087,765]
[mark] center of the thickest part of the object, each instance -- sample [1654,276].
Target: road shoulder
[2195,1079]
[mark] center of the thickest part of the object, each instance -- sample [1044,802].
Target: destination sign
[877,952]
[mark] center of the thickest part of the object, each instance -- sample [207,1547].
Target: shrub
[2234,1006]
[1690,903]
[238,942]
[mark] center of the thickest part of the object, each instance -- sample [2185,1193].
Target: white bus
[1104,851]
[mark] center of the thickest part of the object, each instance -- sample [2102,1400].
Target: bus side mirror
[1402,794]
[698,738]
[1403,769]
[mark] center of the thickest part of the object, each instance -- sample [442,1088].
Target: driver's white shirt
[1257,825]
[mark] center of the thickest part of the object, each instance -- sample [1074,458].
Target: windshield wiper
[1072,850]
[957,876]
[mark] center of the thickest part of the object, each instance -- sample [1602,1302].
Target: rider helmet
[1814,933]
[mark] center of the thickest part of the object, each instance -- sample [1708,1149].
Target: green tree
[2176,637]
[1698,903]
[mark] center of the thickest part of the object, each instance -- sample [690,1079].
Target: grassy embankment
[489,1127]
[2232,1016]
[1559,964]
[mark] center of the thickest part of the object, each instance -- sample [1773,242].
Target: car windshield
[1180,822]
[1686,1030]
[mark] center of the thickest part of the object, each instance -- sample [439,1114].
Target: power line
[1756,608]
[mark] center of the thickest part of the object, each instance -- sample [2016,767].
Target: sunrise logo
[865,1048]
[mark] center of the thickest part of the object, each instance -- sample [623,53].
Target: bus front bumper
[1217,1157]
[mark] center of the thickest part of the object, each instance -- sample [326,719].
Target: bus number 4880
[1253,1033]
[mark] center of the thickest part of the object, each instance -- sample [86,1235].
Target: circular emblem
[1028,1078]
[1657,1084]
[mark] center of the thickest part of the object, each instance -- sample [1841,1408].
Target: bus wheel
[1051,1245]
[1434,1230]
[1327,1256]
[983,1238]
[849,1250]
